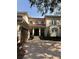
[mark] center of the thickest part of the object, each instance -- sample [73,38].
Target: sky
[24,6]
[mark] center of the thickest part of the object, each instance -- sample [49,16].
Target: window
[54,30]
[42,22]
[36,22]
[31,22]
[19,16]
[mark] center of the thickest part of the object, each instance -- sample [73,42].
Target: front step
[36,38]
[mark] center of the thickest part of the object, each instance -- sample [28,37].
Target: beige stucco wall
[48,22]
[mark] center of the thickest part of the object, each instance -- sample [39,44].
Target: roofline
[22,13]
[35,18]
[52,16]
[46,16]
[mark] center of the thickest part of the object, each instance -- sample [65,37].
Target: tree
[45,6]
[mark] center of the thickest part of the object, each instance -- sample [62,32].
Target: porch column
[39,31]
[45,32]
[28,35]
[33,31]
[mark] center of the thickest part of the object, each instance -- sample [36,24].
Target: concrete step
[36,38]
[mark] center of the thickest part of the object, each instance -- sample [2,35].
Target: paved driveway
[42,49]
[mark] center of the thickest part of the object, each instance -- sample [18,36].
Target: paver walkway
[42,49]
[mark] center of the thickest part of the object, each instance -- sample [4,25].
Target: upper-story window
[31,22]
[19,16]
[43,22]
[36,22]
[54,30]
